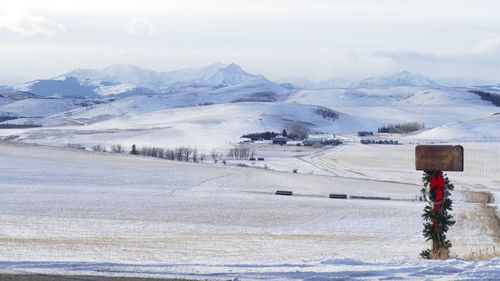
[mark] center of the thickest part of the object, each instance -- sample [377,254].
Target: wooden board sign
[439,158]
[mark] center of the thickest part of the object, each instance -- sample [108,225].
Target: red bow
[437,182]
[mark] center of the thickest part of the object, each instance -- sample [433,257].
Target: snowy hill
[205,127]
[494,88]
[433,107]
[26,108]
[258,91]
[481,129]
[403,78]
[42,107]
[389,96]
[4,88]
[9,97]
[126,80]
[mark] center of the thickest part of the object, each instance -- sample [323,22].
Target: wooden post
[437,228]
[433,159]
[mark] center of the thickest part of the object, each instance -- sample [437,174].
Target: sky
[312,39]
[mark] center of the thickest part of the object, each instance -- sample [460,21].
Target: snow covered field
[76,212]
[79,212]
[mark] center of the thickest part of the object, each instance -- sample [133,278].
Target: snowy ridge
[4,88]
[33,107]
[126,80]
[481,129]
[215,76]
[403,78]
[389,96]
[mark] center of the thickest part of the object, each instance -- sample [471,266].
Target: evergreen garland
[437,232]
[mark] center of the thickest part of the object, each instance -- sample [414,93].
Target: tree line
[185,154]
[401,128]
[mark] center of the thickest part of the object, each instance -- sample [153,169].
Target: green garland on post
[437,224]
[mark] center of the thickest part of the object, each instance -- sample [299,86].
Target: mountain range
[124,79]
[121,80]
[128,80]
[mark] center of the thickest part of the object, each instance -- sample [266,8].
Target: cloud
[26,24]
[140,26]
[490,46]
[405,55]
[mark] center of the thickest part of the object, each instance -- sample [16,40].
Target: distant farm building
[311,142]
[281,140]
[364,133]
[321,141]
[367,141]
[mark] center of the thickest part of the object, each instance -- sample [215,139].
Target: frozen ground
[75,212]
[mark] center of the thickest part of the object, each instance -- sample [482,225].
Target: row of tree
[186,154]
[401,128]
[491,97]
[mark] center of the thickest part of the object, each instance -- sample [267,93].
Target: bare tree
[195,155]
[98,147]
[214,155]
[298,130]
[187,153]
[239,152]
[117,148]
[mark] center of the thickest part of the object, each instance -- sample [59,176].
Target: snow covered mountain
[4,88]
[124,79]
[403,78]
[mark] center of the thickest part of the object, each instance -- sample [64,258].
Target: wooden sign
[439,158]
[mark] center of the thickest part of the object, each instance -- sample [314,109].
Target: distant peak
[402,78]
[233,66]
[219,65]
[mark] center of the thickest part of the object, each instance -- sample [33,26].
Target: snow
[211,119]
[394,105]
[389,97]
[214,75]
[4,88]
[205,127]
[107,90]
[77,212]
[326,270]
[126,80]
[481,129]
[403,78]
[35,107]
[80,212]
